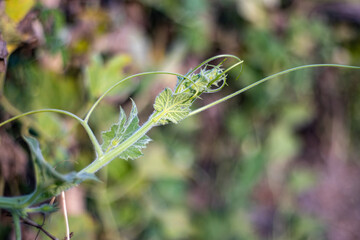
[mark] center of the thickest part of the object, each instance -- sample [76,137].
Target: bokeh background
[280,161]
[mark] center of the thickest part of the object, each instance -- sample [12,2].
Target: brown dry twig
[38,226]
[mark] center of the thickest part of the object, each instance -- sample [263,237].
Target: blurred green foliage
[251,168]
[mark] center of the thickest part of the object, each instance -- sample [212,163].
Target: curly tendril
[206,81]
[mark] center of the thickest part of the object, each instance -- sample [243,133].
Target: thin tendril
[86,119]
[82,122]
[266,79]
[213,58]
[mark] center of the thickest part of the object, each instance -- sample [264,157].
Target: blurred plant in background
[279,162]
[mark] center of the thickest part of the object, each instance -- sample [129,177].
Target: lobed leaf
[172,107]
[121,131]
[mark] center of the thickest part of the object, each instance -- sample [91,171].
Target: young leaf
[172,107]
[121,131]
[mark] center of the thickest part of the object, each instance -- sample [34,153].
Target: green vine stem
[144,129]
[186,89]
[97,164]
[103,159]
[16,219]
[100,162]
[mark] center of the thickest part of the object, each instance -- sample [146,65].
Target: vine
[126,138]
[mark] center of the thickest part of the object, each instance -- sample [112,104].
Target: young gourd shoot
[126,138]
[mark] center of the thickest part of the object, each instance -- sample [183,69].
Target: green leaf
[49,182]
[172,107]
[121,131]
[102,75]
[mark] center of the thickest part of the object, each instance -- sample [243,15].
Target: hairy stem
[16,219]
[100,162]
